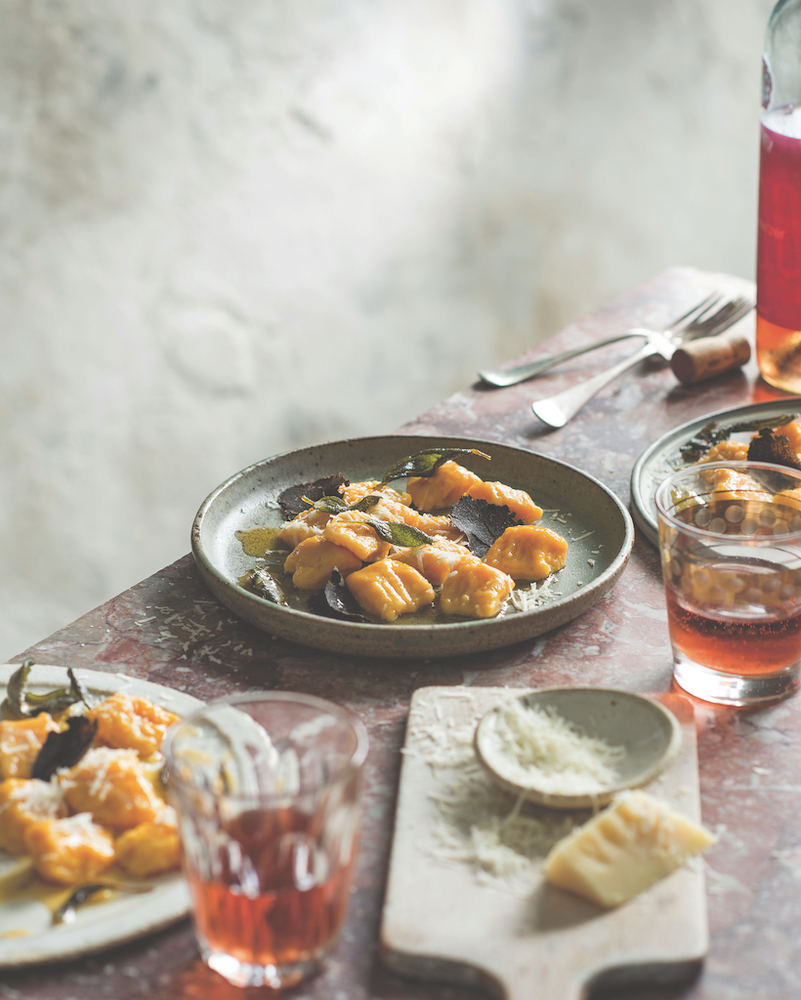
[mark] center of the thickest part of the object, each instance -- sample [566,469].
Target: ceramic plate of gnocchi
[252,566]
[685,444]
[125,837]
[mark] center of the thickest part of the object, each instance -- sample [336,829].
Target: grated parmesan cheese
[502,840]
[537,747]
[95,764]
[535,595]
[41,798]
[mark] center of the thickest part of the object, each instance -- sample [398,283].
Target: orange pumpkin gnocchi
[150,848]
[475,589]
[20,743]
[125,722]
[518,501]
[353,531]
[112,786]
[449,482]
[388,588]
[24,801]
[70,850]
[312,562]
[528,552]
[103,811]
[434,561]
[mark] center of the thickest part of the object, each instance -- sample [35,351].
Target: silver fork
[556,410]
[65,914]
[511,376]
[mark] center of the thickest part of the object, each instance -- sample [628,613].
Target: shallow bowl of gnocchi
[240,531]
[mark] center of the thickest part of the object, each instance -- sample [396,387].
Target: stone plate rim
[97,928]
[653,466]
[234,504]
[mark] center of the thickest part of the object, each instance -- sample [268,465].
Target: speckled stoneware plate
[664,455]
[27,935]
[595,523]
[649,734]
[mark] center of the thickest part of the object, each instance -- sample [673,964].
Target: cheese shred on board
[511,844]
[503,840]
[537,746]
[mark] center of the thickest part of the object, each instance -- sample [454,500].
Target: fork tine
[723,318]
[700,308]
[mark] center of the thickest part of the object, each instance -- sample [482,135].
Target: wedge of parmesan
[624,849]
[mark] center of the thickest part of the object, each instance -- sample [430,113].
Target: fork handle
[556,410]
[511,376]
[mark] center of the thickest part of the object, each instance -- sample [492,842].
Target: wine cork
[710,356]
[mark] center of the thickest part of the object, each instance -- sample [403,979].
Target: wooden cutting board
[519,937]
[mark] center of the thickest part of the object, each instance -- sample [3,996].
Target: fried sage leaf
[261,581]
[710,434]
[336,601]
[425,463]
[483,522]
[295,499]
[336,505]
[399,534]
[65,748]
[19,703]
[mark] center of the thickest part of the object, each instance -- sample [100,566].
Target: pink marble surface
[170,630]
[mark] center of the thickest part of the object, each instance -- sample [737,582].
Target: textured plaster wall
[233,227]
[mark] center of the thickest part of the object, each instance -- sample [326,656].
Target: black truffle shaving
[775,448]
[482,522]
[65,748]
[292,502]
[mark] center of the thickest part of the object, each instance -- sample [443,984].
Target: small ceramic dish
[649,734]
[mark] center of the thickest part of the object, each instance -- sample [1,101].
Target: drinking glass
[730,542]
[266,787]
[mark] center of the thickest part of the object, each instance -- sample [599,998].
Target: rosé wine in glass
[266,787]
[730,544]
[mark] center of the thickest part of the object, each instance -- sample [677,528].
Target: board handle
[561,983]
[565,985]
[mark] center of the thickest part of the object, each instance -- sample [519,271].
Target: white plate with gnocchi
[34,877]
[234,534]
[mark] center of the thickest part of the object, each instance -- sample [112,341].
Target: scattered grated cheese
[503,841]
[78,831]
[536,594]
[95,765]
[40,798]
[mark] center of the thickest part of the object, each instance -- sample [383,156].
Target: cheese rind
[624,849]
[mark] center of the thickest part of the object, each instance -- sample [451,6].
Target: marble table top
[169,629]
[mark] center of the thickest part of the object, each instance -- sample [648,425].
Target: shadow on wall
[228,232]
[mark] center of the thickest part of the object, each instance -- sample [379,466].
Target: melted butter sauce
[257,542]
[23,883]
